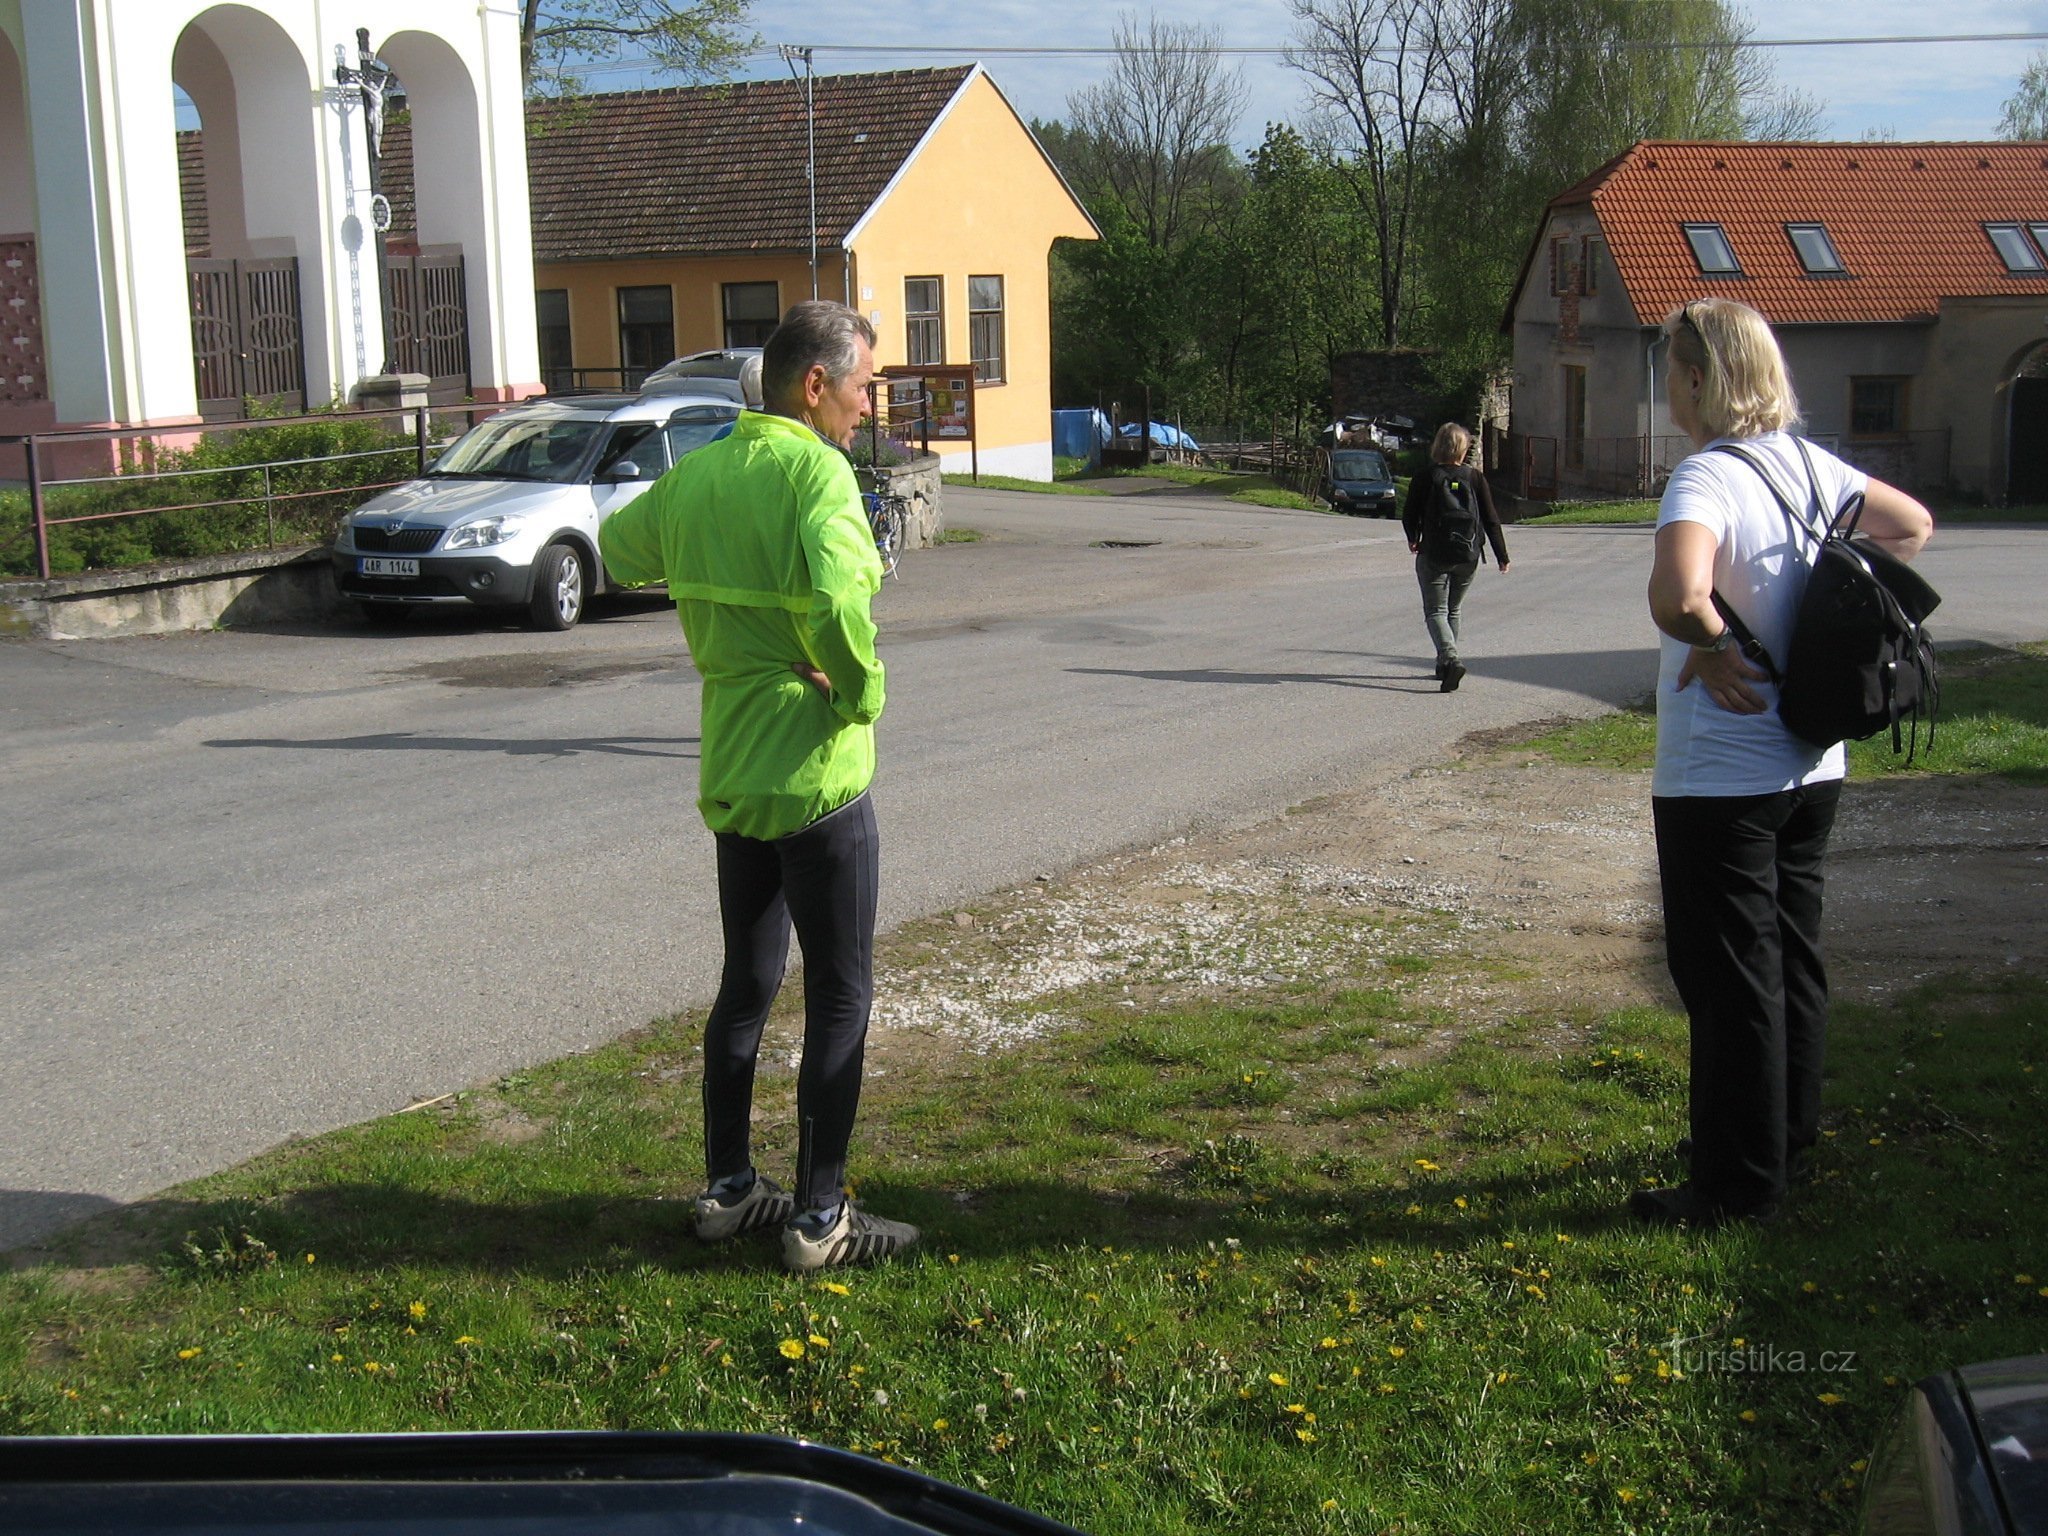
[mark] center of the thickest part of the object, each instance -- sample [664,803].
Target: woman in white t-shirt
[1743,807]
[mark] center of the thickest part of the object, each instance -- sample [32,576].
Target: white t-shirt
[1760,566]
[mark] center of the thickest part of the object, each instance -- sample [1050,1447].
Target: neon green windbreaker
[767,552]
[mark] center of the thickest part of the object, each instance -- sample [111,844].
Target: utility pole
[374,79]
[790,55]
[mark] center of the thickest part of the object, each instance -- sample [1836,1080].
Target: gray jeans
[1443,589]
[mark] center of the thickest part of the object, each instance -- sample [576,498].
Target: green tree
[2026,110]
[699,40]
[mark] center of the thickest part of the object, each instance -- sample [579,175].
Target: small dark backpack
[1451,534]
[1860,660]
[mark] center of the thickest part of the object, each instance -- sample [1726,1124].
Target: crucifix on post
[380,89]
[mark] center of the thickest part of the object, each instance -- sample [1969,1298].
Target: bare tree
[1377,71]
[699,39]
[1155,135]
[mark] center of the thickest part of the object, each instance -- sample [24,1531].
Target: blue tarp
[1164,436]
[1079,434]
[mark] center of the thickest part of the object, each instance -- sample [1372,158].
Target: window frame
[1902,409]
[1576,411]
[1560,266]
[759,327]
[1590,247]
[1794,228]
[562,333]
[924,328]
[644,330]
[1694,231]
[995,361]
[2036,266]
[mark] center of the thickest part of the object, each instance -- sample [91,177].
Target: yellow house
[673,221]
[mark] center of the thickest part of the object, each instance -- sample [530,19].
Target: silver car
[507,517]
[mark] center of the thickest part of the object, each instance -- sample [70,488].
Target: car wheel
[559,588]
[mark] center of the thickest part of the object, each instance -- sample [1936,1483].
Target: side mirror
[624,469]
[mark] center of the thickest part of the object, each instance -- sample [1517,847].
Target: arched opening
[2026,427]
[433,173]
[251,211]
[24,382]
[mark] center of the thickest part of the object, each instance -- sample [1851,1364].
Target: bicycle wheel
[888,525]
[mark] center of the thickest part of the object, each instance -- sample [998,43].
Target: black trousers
[823,880]
[1742,886]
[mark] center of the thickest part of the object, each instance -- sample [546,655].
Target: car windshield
[510,448]
[1358,464]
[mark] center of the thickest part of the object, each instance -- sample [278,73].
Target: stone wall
[918,482]
[261,587]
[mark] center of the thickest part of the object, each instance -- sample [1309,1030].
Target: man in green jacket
[765,545]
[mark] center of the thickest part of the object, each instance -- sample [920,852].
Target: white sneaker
[857,1237]
[765,1204]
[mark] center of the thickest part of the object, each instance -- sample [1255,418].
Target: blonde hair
[1450,445]
[1744,388]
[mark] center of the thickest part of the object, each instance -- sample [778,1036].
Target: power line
[927,50]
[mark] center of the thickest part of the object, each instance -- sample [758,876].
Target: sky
[1911,91]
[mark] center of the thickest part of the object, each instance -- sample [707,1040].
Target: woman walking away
[1449,519]
[1742,807]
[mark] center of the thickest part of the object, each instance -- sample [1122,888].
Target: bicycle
[888,516]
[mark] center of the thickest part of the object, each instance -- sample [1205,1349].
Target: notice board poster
[949,414]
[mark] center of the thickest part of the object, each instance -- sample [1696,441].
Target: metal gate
[246,340]
[429,299]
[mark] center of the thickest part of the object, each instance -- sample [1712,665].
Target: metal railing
[410,451]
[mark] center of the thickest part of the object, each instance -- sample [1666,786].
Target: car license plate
[385,565]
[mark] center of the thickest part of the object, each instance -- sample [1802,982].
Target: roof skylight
[2014,248]
[1710,248]
[1816,251]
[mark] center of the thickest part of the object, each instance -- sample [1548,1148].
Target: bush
[877,452]
[218,489]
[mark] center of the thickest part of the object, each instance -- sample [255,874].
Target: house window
[1591,249]
[647,330]
[1815,250]
[752,310]
[1574,417]
[551,313]
[1560,266]
[1877,407]
[985,328]
[924,321]
[2014,248]
[1710,248]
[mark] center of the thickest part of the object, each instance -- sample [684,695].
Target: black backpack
[1860,659]
[1450,533]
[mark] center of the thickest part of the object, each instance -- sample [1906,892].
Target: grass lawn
[1017,483]
[1337,1252]
[1570,513]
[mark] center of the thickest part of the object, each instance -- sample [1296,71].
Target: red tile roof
[711,169]
[1906,219]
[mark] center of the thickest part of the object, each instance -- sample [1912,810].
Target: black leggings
[1742,909]
[823,879]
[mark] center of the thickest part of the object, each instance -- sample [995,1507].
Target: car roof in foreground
[652,407]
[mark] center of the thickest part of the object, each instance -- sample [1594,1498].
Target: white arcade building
[125,301]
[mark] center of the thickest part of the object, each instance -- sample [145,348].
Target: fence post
[419,435]
[37,515]
[269,508]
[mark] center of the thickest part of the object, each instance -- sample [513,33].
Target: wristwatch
[1724,641]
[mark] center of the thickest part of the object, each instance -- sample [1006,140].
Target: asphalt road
[265,883]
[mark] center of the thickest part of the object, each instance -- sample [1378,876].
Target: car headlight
[482,532]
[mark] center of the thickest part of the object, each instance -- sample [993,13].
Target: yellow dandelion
[791,1349]
[1500,1378]
[1859,1466]
[952,1258]
[1329,1343]
[1590,1457]
[1830,1398]
[190,1354]
[1426,1165]
[1305,1436]
[1276,1378]
[942,1425]
[309,1258]
[2022,1279]
[1384,1388]
[1626,1495]
[1738,1343]
[1297,1408]
[1534,1290]
[1378,1262]
[334,1359]
[1809,1287]
[725,1359]
[418,1310]
[1417,1324]
[1748,1415]
[371,1367]
[1622,1378]
[1397,1350]
[819,1341]
[1414,1210]
[465,1339]
[1328,1505]
[834,1287]
[1459,1202]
